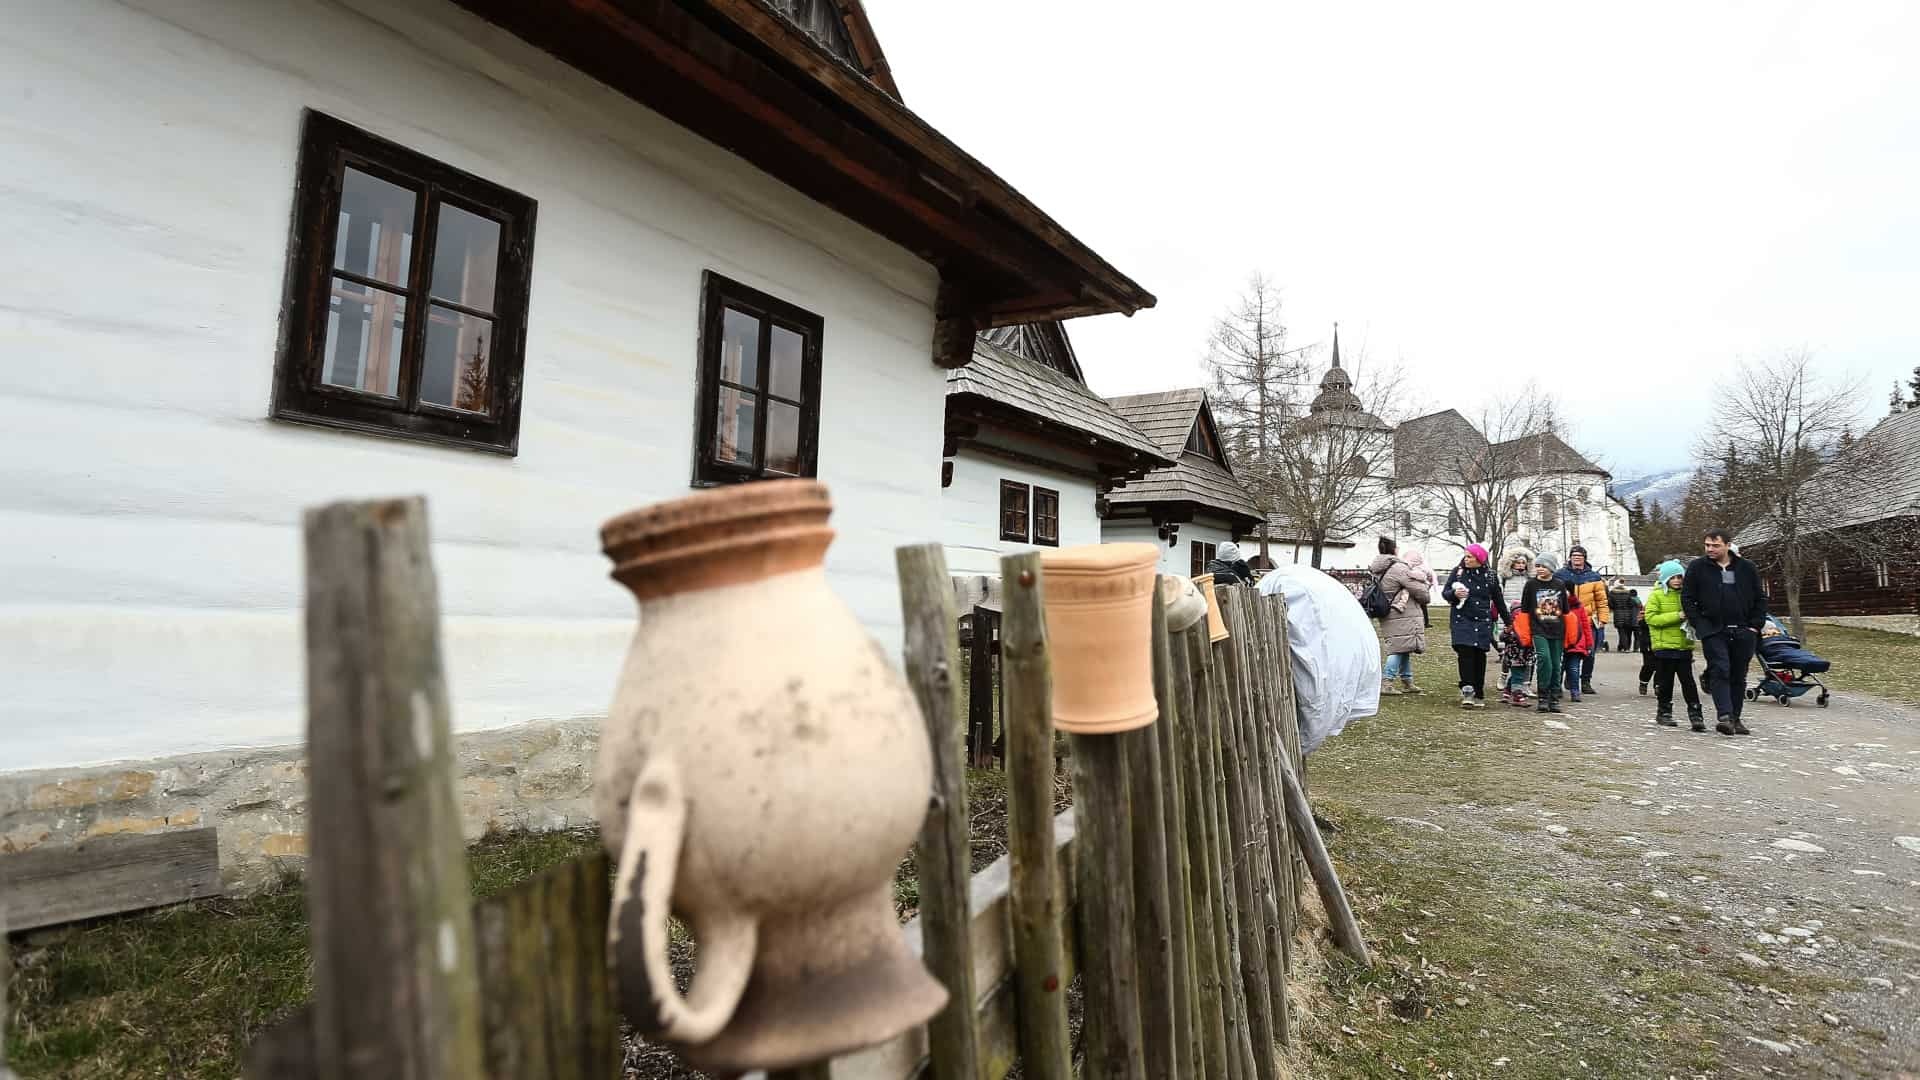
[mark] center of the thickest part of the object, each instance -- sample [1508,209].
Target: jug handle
[637,930]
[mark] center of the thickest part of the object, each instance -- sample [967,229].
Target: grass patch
[1873,662]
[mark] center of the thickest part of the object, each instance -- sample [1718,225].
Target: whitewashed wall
[970,510]
[1178,559]
[151,511]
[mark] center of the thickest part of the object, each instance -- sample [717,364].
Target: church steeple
[1336,346]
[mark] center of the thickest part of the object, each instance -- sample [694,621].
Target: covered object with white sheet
[1336,653]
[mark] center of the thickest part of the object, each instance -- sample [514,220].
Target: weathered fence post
[1210,1009]
[1226,928]
[1249,853]
[942,856]
[1046,1051]
[396,991]
[1346,931]
[1185,1057]
[1266,743]
[6,973]
[1103,907]
[980,689]
[1256,739]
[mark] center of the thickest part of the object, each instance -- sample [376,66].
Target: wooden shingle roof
[1844,495]
[1167,418]
[1047,395]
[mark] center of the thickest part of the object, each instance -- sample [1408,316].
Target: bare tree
[1488,474]
[1327,474]
[1256,380]
[1781,447]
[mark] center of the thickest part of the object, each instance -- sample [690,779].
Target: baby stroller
[1787,669]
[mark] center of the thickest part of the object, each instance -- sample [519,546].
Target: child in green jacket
[1672,649]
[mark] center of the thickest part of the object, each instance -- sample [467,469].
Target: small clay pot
[762,770]
[1099,608]
[1216,626]
[1185,605]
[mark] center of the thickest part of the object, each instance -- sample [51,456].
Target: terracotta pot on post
[762,771]
[1099,606]
[1216,626]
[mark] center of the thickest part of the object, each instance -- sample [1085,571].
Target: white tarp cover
[1336,652]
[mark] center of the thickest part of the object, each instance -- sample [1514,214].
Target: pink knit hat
[1479,553]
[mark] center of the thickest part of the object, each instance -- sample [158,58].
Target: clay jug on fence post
[1216,626]
[1098,606]
[762,771]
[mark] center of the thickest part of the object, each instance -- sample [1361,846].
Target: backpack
[1374,599]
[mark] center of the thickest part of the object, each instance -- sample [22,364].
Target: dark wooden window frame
[1041,517]
[327,148]
[718,293]
[1021,495]
[1202,553]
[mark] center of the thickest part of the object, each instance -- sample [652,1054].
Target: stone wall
[531,776]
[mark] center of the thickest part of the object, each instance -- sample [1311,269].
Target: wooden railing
[1170,887]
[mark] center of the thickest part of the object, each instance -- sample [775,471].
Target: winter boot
[1541,705]
[1389,688]
[1696,718]
[1740,728]
[1407,687]
[1664,717]
[1553,700]
[1586,686]
[1724,725]
[1643,689]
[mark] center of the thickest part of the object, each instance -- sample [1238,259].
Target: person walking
[1228,566]
[1475,604]
[1669,651]
[1403,632]
[1625,606]
[1516,657]
[1590,592]
[1721,597]
[1643,636]
[1543,624]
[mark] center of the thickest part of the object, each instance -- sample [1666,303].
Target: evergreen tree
[1913,390]
[1897,401]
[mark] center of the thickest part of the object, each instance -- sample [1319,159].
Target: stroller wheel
[1753,693]
[1822,699]
[1782,699]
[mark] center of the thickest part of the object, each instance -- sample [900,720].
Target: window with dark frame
[407,294]
[1202,555]
[1014,498]
[759,404]
[1046,516]
[1882,574]
[1826,578]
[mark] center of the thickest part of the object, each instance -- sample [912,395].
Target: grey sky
[1612,199]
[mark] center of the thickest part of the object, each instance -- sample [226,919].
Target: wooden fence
[1170,888]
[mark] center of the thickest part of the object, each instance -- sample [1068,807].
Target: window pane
[783,438]
[459,348]
[783,356]
[733,428]
[740,348]
[466,254]
[365,327]
[375,236]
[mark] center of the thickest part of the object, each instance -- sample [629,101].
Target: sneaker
[1388,688]
[1725,725]
[1574,697]
[1553,705]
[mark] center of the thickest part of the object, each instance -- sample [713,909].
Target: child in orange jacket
[1580,653]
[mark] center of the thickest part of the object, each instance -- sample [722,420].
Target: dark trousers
[1728,654]
[1577,671]
[1666,670]
[1649,666]
[1473,669]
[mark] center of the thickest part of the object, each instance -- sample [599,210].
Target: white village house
[1190,506]
[1031,452]
[547,262]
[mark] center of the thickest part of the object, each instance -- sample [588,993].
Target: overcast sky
[1614,199]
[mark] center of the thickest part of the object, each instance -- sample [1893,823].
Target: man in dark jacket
[1723,603]
[1228,567]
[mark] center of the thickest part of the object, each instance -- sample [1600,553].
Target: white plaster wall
[1176,561]
[970,510]
[150,510]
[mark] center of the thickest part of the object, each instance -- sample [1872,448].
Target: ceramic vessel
[1216,626]
[1185,605]
[762,771]
[1099,608]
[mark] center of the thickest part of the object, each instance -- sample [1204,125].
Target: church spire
[1336,345]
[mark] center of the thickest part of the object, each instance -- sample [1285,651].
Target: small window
[1882,575]
[1013,511]
[1826,578]
[1549,512]
[759,386]
[1202,555]
[407,295]
[1046,516]
[1200,440]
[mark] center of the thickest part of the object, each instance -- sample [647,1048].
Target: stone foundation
[532,776]
[1897,624]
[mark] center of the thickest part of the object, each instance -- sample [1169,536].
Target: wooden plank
[1239,1049]
[106,876]
[1110,994]
[1247,853]
[1186,1049]
[1346,931]
[1046,1052]
[396,986]
[547,1001]
[943,853]
[1265,677]
[1240,1032]
[1290,747]
[1209,1005]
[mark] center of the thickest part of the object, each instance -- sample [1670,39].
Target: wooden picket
[1170,889]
